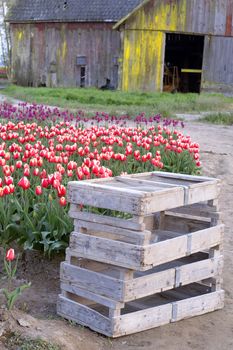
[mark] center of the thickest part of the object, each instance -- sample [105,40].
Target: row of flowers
[37,160]
[50,155]
[40,113]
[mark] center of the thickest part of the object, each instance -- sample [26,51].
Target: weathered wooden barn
[184,45]
[66,42]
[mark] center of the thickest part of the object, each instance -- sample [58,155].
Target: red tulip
[18,164]
[56,183]
[6,170]
[10,254]
[36,172]
[6,190]
[8,180]
[24,183]
[45,183]
[26,172]
[38,190]
[61,191]
[12,188]
[62,201]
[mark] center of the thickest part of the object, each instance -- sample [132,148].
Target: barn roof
[71,10]
[129,14]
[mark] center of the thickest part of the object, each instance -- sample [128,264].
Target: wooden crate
[164,246]
[142,194]
[160,262]
[104,316]
[125,285]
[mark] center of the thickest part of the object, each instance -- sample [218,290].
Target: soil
[213,331]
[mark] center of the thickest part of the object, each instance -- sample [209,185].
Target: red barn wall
[46,53]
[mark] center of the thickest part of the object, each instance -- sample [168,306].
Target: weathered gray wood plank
[84,293]
[194,272]
[106,250]
[136,237]
[198,305]
[93,281]
[106,220]
[142,320]
[83,315]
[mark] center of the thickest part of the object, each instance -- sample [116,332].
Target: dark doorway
[82,76]
[183,62]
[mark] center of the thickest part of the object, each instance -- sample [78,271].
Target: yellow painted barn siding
[143,60]
[64,51]
[19,35]
[144,37]
[126,62]
[160,15]
[64,43]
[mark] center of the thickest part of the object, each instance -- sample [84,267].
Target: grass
[118,102]
[218,118]
[15,341]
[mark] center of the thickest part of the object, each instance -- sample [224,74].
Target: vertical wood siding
[144,37]
[217,65]
[192,16]
[46,53]
[143,60]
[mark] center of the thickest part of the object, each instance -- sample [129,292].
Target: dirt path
[212,331]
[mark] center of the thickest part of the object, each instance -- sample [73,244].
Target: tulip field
[41,149]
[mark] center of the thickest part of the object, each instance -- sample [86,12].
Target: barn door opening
[183,62]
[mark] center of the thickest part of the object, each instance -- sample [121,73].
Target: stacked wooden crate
[158,262]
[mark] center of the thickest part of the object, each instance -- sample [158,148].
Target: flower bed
[38,159]
[3,72]
[40,113]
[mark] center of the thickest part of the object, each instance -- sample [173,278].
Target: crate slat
[198,305]
[170,276]
[84,293]
[145,257]
[148,313]
[136,237]
[142,320]
[106,220]
[83,315]
[106,250]
[95,282]
[170,249]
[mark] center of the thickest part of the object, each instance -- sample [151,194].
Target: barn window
[81,63]
[82,76]
[81,60]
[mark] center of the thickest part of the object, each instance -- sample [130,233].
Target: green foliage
[12,296]
[218,118]
[118,102]
[16,341]
[43,225]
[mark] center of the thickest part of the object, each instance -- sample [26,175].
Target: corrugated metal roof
[71,10]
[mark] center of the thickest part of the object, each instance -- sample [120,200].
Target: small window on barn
[82,76]
[81,60]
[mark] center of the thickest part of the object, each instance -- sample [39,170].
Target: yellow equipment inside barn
[171,79]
